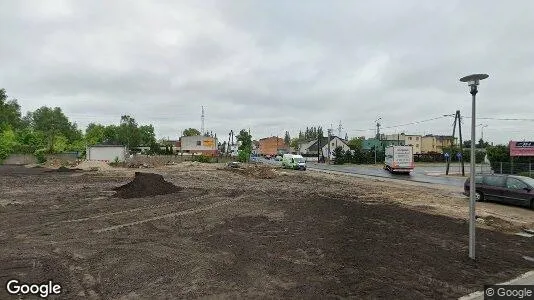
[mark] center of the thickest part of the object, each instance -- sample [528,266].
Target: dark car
[518,190]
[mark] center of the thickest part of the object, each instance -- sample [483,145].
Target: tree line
[48,130]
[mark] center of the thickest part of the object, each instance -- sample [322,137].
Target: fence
[522,169]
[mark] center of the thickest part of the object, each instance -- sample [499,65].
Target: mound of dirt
[94,165]
[254,171]
[145,185]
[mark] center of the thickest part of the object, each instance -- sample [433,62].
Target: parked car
[278,158]
[512,189]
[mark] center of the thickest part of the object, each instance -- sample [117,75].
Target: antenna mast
[202,122]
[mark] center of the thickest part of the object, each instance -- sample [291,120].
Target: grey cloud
[271,65]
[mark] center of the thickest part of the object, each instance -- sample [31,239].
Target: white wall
[106,153]
[335,142]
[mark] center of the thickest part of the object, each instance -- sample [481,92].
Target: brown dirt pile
[146,185]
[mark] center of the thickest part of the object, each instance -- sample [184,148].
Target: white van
[293,161]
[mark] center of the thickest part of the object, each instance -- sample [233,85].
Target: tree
[355,143]
[28,141]
[128,133]
[8,142]
[348,156]
[146,135]
[52,122]
[191,132]
[320,132]
[339,154]
[111,134]
[294,143]
[287,138]
[9,112]
[482,144]
[94,134]
[245,147]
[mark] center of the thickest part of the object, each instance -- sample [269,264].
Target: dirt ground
[249,234]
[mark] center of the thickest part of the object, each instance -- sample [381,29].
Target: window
[416,138]
[410,138]
[515,184]
[417,145]
[199,143]
[497,181]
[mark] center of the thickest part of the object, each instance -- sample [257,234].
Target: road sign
[447,155]
[459,155]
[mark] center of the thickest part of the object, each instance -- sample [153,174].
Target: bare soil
[235,234]
[144,185]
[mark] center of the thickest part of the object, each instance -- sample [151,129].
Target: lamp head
[474,79]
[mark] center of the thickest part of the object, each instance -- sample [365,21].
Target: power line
[401,125]
[502,119]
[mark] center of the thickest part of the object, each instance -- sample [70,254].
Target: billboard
[521,148]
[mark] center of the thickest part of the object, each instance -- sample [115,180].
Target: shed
[107,153]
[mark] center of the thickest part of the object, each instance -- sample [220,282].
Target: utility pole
[329,135]
[453,133]
[457,120]
[202,122]
[318,147]
[378,128]
[461,141]
[228,145]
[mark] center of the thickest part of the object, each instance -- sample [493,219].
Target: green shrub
[40,155]
[202,158]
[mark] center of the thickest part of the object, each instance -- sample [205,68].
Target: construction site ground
[253,232]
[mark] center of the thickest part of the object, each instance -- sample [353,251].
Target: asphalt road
[425,173]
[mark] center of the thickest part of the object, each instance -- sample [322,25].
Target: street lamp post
[482,131]
[473,81]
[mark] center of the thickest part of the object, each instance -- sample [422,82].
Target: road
[419,174]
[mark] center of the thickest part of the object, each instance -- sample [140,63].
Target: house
[272,146]
[198,144]
[304,148]
[435,143]
[255,148]
[310,148]
[108,153]
[413,140]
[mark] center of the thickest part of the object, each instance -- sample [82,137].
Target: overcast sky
[271,65]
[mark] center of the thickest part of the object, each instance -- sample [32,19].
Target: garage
[106,153]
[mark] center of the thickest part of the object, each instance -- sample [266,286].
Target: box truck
[399,159]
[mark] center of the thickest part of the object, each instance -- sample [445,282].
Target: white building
[109,153]
[311,147]
[199,144]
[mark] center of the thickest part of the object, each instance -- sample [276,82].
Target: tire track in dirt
[147,209]
[176,214]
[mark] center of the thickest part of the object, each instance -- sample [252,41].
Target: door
[493,187]
[516,192]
